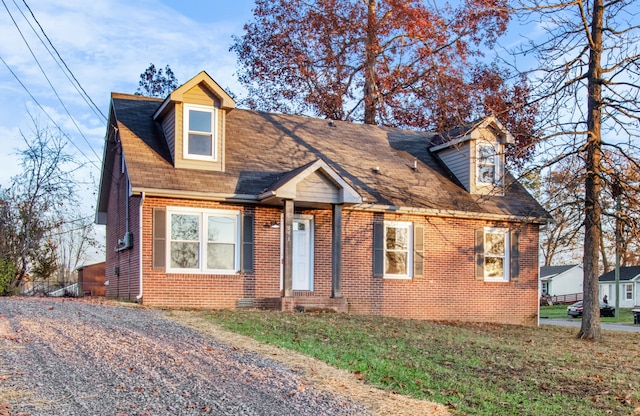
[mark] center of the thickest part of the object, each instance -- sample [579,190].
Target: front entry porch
[312,186]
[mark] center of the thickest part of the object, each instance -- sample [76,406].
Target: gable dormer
[475,154]
[193,121]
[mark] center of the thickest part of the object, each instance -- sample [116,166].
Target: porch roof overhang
[314,185]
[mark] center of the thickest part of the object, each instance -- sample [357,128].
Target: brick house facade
[291,212]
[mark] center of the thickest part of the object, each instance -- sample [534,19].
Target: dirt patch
[323,376]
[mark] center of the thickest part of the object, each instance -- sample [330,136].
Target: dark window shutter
[514,255]
[247,243]
[159,237]
[418,251]
[378,249]
[479,254]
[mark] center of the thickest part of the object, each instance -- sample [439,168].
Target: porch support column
[287,267]
[336,252]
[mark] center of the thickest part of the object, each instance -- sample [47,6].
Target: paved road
[577,322]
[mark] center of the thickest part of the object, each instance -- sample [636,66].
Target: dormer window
[488,164]
[200,138]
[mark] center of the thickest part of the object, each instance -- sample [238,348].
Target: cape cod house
[208,205]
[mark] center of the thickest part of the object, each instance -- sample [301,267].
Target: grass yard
[474,369]
[560,311]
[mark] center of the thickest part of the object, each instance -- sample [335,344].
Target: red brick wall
[448,291]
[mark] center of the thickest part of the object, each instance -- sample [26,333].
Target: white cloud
[107,44]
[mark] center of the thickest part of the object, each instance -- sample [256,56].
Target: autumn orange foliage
[401,63]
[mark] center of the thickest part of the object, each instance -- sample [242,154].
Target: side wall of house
[122,271]
[448,290]
[567,283]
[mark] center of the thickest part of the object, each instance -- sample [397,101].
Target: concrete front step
[297,303]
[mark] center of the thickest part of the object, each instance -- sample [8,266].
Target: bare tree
[74,238]
[31,207]
[154,83]
[587,86]
[621,209]
[561,193]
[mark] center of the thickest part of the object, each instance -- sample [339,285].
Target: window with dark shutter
[479,254]
[515,254]
[159,237]
[247,243]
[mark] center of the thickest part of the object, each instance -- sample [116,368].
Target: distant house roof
[263,149]
[626,274]
[551,271]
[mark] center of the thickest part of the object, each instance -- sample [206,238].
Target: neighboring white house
[561,280]
[629,286]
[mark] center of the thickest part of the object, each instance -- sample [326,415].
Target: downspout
[139,297]
[126,232]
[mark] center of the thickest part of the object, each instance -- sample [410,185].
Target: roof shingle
[261,148]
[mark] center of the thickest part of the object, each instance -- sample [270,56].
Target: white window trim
[497,165]
[507,248]
[410,248]
[214,132]
[626,292]
[204,213]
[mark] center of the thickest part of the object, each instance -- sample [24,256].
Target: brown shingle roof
[261,148]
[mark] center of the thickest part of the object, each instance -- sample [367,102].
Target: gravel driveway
[69,357]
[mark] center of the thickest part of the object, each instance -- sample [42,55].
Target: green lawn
[560,311]
[474,369]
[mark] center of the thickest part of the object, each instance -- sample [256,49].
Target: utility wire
[68,71]
[46,113]
[51,85]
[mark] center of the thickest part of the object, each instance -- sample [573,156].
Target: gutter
[432,212]
[142,196]
[244,198]
[371,207]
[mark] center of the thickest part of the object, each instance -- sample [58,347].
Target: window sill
[397,277]
[496,281]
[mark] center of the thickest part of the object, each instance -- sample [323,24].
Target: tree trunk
[371,46]
[591,314]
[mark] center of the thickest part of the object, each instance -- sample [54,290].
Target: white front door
[302,258]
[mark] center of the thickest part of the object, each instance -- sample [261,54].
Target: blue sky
[106,44]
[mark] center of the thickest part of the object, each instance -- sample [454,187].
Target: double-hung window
[203,241]
[496,254]
[398,249]
[200,138]
[487,164]
[628,291]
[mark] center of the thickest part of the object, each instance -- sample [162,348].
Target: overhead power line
[50,85]
[47,114]
[68,71]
